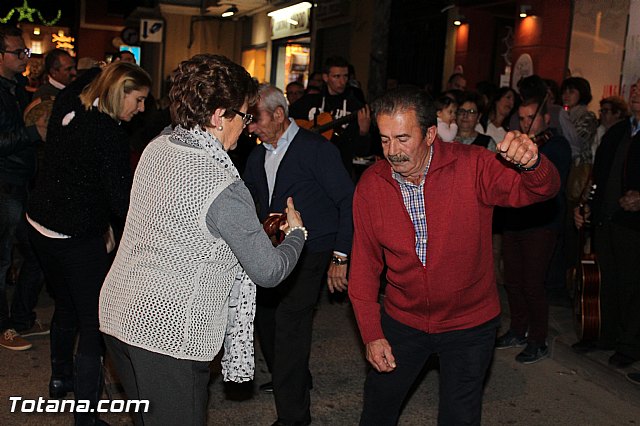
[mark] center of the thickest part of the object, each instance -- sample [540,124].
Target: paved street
[566,389]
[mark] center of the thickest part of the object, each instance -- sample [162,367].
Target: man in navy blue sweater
[293,162]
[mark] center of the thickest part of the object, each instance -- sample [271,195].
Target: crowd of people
[153,247]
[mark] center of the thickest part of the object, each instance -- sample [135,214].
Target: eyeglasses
[20,53]
[246,117]
[462,111]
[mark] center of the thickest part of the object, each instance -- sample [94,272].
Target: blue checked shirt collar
[413,198]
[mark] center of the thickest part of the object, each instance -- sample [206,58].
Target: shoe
[59,388]
[634,378]
[620,360]
[38,329]
[510,340]
[533,353]
[10,339]
[266,387]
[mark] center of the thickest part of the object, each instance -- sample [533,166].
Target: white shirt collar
[285,139]
[56,83]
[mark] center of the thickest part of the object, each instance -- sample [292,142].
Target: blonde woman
[84,183]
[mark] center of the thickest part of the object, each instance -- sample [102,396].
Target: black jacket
[310,172]
[346,137]
[630,173]
[85,176]
[17,142]
[549,213]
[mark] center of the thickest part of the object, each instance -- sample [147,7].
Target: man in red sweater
[426,214]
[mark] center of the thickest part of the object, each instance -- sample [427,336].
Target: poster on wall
[631,65]
[523,68]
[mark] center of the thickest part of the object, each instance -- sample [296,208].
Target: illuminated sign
[290,21]
[63,41]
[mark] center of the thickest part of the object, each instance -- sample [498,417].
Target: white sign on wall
[151,30]
[631,66]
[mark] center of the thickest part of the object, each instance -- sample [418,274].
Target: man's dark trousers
[284,318]
[465,356]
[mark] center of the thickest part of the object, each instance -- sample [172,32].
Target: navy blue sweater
[311,172]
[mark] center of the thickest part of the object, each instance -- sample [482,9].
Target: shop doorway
[290,61]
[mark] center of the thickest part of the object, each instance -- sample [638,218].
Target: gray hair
[271,98]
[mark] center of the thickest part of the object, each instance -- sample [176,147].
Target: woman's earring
[220,128]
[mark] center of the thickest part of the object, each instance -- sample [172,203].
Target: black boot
[89,381]
[62,343]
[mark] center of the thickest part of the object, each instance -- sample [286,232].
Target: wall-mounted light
[459,20]
[36,30]
[230,12]
[525,10]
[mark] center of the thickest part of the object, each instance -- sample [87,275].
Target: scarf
[238,363]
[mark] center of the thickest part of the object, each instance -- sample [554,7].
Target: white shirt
[496,133]
[273,156]
[56,83]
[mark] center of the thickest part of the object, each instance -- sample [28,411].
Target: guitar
[324,123]
[586,281]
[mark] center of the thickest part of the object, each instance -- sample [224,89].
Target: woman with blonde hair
[83,185]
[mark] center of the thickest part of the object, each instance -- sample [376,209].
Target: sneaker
[634,378]
[10,339]
[511,340]
[533,353]
[38,329]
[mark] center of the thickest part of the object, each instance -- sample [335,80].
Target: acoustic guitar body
[586,302]
[322,119]
[325,124]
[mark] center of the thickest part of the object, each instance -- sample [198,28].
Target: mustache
[398,158]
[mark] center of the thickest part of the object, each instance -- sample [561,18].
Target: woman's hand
[293,216]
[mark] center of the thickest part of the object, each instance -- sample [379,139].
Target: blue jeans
[465,356]
[13,227]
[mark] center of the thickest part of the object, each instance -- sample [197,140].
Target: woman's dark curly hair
[205,83]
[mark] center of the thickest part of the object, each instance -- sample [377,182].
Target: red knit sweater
[456,289]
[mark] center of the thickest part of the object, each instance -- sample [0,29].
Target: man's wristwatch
[338,260]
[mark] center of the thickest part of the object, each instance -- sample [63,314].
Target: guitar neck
[337,122]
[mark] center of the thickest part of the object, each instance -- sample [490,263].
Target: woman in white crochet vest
[182,282]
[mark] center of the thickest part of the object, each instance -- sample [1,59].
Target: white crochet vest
[168,288]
